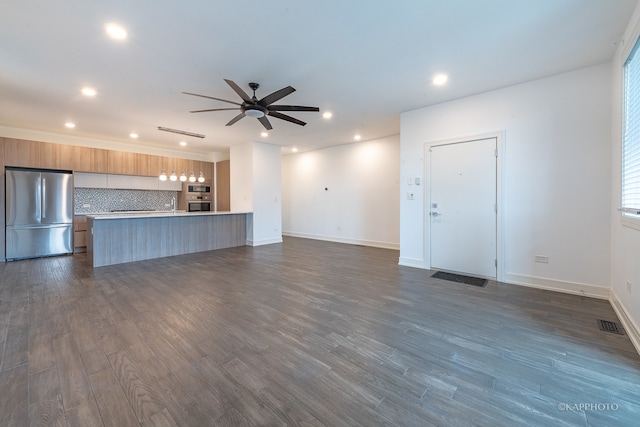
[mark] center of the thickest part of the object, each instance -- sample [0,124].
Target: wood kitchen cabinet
[155,165]
[207,170]
[56,156]
[122,162]
[197,166]
[87,159]
[170,164]
[223,186]
[35,154]
[79,233]
[23,153]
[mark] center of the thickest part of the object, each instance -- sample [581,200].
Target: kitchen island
[120,238]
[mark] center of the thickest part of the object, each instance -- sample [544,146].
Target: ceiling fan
[258,109]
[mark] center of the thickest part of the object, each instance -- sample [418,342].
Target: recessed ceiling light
[294,149]
[440,79]
[88,91]
[357,137]
[115,31]
[264,134]
[327,114]
[70,125]
[183,143]
[133,135]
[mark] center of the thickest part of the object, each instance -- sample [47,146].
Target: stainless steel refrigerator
[39,213]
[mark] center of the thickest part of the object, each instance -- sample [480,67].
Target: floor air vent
[459,278]
[612,327]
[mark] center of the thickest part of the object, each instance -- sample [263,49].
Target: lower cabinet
[79,234]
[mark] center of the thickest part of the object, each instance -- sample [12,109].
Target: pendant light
[192,177]
[173,176]
[163,175]
[183,177]
[201,177]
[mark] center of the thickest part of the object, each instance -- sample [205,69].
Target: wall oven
[199,202]
[198,196]
[198,206]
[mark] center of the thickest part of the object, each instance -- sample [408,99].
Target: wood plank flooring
[300,333]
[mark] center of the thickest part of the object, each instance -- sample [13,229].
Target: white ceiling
[364,60]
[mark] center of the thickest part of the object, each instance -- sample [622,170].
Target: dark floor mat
[459,278]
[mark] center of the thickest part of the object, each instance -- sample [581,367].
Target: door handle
[38,199]
[435,214]
[44,198]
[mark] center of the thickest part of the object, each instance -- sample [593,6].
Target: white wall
[556,182]
[255,184]
[625,242]
[267,194]
[361,202]
[241,177]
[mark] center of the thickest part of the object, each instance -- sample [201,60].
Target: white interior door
[463,211]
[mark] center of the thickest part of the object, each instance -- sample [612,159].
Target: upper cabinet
[89,180]
[123,182]
[87,159]
[207,170]
[123,163]
[34,154]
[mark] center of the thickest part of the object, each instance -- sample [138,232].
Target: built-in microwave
[198,188]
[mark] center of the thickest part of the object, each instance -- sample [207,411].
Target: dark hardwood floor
[301,333]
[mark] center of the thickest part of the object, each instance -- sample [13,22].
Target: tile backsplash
[106,200]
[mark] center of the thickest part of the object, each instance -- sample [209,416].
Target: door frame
[500,145]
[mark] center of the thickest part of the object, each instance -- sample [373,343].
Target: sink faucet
[173,204]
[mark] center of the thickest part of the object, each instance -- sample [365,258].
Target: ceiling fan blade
[265,123]
[292,108]
[241,93]
[213,109]
[211,97]
[279,94]
[235,119]
[285,117]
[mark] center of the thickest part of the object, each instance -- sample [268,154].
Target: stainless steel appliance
[198,197]
[197,189]
[199,203]
[39,213]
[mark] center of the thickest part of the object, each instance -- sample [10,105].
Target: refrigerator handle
[38,200]
[44,198]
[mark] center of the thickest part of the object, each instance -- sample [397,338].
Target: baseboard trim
[372,243]
[557,285]
[411,262]
[630,326]
[264,241]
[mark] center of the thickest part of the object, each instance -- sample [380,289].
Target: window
[631,136]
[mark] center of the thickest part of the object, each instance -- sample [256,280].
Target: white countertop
[155,214]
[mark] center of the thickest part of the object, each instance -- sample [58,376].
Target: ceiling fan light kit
[256,114]
[256,108]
